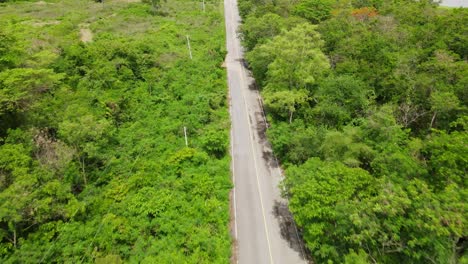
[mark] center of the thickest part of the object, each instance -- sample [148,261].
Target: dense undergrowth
[93,162]
[367,101]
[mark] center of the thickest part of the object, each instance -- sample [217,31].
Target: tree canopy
[93,162]
[375,156]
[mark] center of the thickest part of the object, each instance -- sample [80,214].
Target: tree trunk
[83,171]
[14,237]
[290,116]
[433,119]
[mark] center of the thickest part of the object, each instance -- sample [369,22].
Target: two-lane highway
[263,227]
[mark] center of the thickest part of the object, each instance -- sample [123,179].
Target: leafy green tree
[316,190]
[347,147]
[282,102]
[446,157]
[9,51]
[291,60]
[381,126]
[214,142]
[306,142]
[19,86]
[340,99]
[93,165]
[29,196]
[314,10]
[448,30]
[367,181]
[389,221]
[442,102]
[87,136]
[257,30]
[21,90]
[360,257]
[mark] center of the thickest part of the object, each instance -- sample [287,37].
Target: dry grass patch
[86,35]
[42,23]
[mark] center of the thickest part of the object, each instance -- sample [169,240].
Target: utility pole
[185,134]
[189,48]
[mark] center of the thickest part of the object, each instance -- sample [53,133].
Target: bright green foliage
[448,157]
[340,99]
[93,162]
[9,51]
[346,146]
[284,103]
[375,157]
[215,143]
[400,222]
[442,103]
[305,143]
[356,258]
[19,86]
[306,188]
[289,65]
[314,10]
[258,30]
[292,60]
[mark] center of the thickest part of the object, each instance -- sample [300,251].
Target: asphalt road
[263,226]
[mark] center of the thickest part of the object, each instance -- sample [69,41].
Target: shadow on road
[267,153]
[253,86]
[280,209]
[261,127]
[270,159]
[288,228]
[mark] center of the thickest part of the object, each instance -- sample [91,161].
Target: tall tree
[291,60]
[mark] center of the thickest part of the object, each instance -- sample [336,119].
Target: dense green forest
[367,102]
[93,164]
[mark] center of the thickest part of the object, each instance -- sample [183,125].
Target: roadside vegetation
[94,99]
[367,102]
